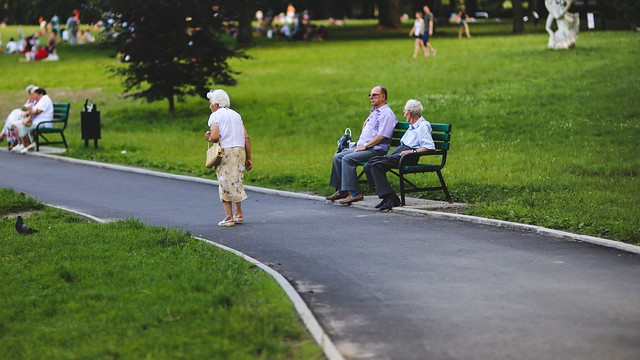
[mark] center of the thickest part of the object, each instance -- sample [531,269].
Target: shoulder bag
[214,154]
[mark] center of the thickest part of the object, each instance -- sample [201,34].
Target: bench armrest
[41,123]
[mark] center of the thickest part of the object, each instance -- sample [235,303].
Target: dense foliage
[170,48]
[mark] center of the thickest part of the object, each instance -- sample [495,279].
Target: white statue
[568,24]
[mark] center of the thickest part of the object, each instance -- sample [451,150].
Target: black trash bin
[90,123]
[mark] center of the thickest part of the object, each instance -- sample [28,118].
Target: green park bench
[441,134]
[60,118]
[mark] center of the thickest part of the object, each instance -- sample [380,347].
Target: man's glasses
[374,95]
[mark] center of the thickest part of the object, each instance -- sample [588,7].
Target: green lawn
[82,290]
[539,137]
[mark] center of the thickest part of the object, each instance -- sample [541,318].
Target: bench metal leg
[64,140]
[444,187]
[402,194]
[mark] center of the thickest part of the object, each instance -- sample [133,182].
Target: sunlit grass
[79,289]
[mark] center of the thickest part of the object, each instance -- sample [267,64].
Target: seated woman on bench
[15,118]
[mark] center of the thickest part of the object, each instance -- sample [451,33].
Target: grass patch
[79,289]
[541,137]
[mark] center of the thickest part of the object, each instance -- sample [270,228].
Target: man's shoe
[350,199]
[337,196]
[380,204]
[390,202]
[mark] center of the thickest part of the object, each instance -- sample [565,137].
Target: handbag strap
[92,107]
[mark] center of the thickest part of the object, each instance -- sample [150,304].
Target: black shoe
[390,202]
[380,204]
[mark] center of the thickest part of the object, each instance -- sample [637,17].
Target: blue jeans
[343,171]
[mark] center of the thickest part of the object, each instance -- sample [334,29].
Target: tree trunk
[518,21]
[389,13]
[245,15]
[172,107]
[472,7]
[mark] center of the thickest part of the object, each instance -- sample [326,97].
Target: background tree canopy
[170,49]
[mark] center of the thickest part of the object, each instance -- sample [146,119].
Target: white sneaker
[25,150]
[17,148]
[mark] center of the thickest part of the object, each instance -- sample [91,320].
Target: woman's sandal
[227,222]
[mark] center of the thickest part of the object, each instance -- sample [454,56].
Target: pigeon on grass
[22,228]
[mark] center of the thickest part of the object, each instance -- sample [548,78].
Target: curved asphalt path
[388,285]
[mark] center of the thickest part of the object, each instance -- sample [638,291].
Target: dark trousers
[376,170]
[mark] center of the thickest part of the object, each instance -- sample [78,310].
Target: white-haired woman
[15,118]
[227,128]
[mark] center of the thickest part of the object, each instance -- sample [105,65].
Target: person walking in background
[462,18]
[227,128]
[428,31]
[417,31]
[375,139]
[416,140]
[72,29]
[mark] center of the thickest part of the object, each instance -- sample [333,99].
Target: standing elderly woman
[227,128]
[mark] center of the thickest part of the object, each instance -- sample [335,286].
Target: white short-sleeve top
[230,125]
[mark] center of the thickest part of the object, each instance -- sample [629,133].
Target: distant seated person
[41,111]
[416,140]
[36,54]
[12,47]
[85,37]
[82,37]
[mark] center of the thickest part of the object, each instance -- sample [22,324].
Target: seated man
[374,140]
[417,139]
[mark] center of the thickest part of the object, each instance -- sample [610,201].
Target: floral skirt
[230,173]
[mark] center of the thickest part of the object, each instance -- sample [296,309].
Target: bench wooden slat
[59,123]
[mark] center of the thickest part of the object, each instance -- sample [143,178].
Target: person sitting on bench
[417,139]
[41,111]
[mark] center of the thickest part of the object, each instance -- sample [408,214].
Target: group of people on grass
[31,47]
[227,128]
[19,126]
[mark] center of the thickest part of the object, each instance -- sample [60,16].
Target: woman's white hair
[30,88]
[219,97]
[414,107]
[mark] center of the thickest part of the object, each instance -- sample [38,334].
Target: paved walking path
[400,285]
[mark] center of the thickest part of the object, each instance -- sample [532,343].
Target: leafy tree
[170,49]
